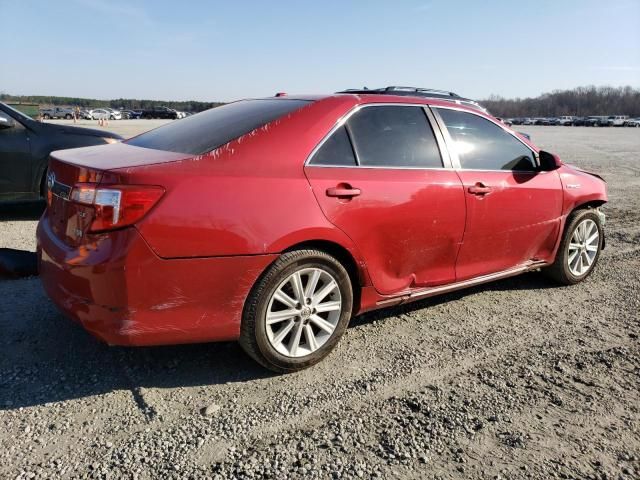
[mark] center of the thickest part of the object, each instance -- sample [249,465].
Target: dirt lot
[516,379]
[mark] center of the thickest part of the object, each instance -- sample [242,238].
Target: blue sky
[210,50]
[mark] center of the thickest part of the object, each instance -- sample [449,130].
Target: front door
[513,209]
[381,179]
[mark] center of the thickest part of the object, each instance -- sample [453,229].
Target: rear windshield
[212,128]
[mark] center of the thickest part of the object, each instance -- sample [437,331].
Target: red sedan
[274,221]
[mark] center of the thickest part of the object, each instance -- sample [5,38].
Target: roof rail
[418,92]
[394,88]
[397,90]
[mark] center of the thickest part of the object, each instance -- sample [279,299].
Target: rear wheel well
[342,255]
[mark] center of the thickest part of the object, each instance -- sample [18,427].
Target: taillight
[116,206]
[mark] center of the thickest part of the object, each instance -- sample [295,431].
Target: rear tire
[579,249]
[297,311]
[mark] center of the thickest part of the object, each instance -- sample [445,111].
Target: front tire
[579,249]
[297,311]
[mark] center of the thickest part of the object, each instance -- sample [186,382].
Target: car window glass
[336,150]
[213,128]
[482,145]
[394,136]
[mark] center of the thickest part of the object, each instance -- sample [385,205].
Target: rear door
[513,209]
[15,162]
[381,178]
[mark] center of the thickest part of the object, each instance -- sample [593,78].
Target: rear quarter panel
[248,197]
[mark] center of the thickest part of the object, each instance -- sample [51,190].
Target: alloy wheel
[583,247]
[303,312]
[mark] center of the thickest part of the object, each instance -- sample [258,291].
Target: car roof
[360,97]
[394,94]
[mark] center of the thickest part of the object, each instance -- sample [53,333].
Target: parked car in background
[159,112]
[105,114]
[25,145]
[617,120]
[506,121]
[115,114]
[632,122]
[544,121]
[274,221]
[589,121]
[85,114]
[528,121]
[566,120]
[130,114]
[56,112]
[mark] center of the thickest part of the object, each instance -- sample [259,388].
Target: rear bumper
[124,294]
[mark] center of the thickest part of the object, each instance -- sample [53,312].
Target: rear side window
[335,151]
[482,145]
[394,136]
[212,128]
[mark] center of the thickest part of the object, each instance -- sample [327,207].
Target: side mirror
[6,122]
[549,161]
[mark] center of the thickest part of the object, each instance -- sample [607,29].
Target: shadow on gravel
[48,358]
[22,211]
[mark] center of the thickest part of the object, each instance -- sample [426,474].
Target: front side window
[394,136]
[482,145]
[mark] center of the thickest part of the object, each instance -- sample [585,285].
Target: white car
[105,114]
[115,114]
[566,120]
[632,122]
[618,120]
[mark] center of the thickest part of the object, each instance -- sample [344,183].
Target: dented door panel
[407,223]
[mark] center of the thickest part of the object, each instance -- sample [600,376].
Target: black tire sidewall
[270,355]
[575,221]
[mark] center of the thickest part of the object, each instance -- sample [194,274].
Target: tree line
[118,103]
[580,101]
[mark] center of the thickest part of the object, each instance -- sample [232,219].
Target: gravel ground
[515,379]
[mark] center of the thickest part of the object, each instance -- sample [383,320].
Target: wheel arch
[585,205]
[356,270]
[588,204]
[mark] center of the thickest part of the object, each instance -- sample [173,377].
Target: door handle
[343,191]
[479,189]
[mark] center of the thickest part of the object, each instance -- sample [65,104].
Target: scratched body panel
[183,271]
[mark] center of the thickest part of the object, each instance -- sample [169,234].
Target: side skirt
[432,291]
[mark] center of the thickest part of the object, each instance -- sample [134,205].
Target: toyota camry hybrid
[274,221]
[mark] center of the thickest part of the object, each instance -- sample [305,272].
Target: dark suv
[159,112]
